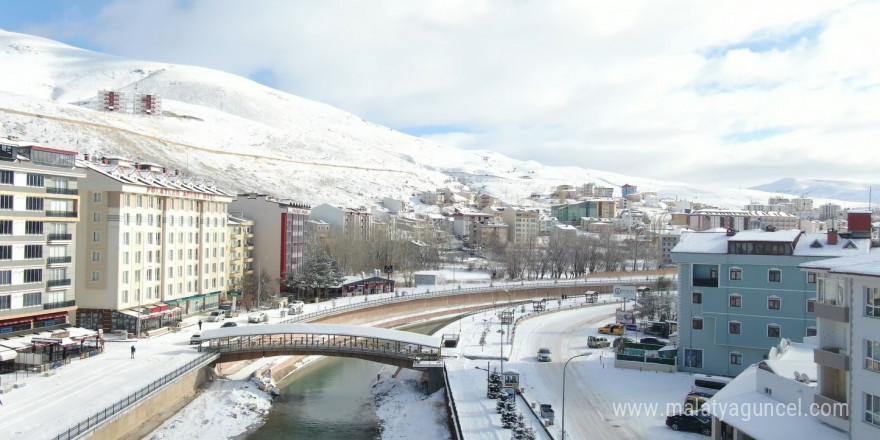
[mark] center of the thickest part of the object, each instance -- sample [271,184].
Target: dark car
[621,340]
[652,341]
[228,324]
[699,422]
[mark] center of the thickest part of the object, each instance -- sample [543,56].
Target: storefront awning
[7,355]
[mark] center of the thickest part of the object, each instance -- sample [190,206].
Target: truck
[597,342]
[546,413]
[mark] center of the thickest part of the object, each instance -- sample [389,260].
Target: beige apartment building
[152,244]
[523,225]
[39,208]
[241,252]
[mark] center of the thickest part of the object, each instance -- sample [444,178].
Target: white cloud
[660,89]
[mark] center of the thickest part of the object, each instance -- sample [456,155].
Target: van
[295,308]
[257,317]
[544,355]
[217,315]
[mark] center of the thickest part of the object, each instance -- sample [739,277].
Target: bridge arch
[388,346]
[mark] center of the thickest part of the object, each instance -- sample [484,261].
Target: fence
[131,400]
[357,305]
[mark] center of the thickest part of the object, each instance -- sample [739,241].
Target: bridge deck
[324,329]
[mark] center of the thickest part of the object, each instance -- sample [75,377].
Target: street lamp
[501,333]
[563,389]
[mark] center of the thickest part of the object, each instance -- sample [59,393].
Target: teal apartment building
[741,292]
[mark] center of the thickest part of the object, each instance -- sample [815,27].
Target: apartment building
[240,249]
[522,225]
[464,225]
[357,221]
[571,213]
[743,291]
[152,245]
[39,210]
[280,232]
[848,352]
[705,219]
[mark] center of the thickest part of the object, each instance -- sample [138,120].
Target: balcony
[705,282]
[60,236]
[832,357]
[67,191]
[59,305]
[58,260]
[55,283]
[71,214]
[834,311]
[831,407]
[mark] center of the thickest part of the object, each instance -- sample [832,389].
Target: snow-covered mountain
[828,189]
[249,137]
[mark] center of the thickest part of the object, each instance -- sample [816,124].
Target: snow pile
[405,412]
[225,409]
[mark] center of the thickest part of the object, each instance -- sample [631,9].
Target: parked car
[621,340]
[195,339]
[597,342]
[652,341]
[217,315]
[229,324]
[695,400]
[544,355]
[295,307]
[611,329]
[701,423]
[257,317]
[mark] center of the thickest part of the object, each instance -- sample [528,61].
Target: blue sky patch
[434,129]
[265,77]
[767,41]
[755,135]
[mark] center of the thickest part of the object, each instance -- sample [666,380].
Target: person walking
[200,325]
[132,351]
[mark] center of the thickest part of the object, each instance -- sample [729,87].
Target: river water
[330,400]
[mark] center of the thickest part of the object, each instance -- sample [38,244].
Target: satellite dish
[797,376]
[805,378]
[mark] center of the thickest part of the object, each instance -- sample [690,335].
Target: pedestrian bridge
[392,347]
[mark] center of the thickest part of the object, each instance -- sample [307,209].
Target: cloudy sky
[734,92]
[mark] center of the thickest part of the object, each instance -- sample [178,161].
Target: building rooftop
[853,265]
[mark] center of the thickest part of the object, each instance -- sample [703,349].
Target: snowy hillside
[249,137]
[828,189]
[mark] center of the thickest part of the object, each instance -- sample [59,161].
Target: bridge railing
[308,344]
[127,402]
[357,305]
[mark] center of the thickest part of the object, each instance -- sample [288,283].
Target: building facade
[522,225]
[848,352]
[741,292]
[152,244]
[280,232]
[240,250]
[39,210]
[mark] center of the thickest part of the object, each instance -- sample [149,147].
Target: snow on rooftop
[855,265]
[324,329]
[785,236]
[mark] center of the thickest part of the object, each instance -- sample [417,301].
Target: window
[774,303]
[34,179]
[811,331]
[735,300]
[811,277]
[697,323]
[125,258]
[872,409]
[872,302]
[693,358]
[6,201]
[5,302]
[33,275]
[96,256]
[773,331]
[96,236]
[811,305]
[736,274]
[5,277]
[96,217]
[7,177]
[32,299]
[872,355]
[96,276]
[6,252]
[33,228]
[33,251]
[736,358]
[96,197]
[125,277]
[126,238]
[125,296]
[734,327]
[774,275]
[33,203]
[5,227]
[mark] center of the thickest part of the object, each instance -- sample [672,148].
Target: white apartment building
[280,232]
[357,221]
[523,225]
[152,245]
[39,208]
[848,353]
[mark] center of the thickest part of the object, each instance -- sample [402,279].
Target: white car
[295,307]
[217,315]
[257,317]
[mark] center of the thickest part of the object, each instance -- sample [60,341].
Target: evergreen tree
[319,273]
[494,387]
[500,404]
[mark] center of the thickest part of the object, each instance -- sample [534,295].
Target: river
[331,399]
